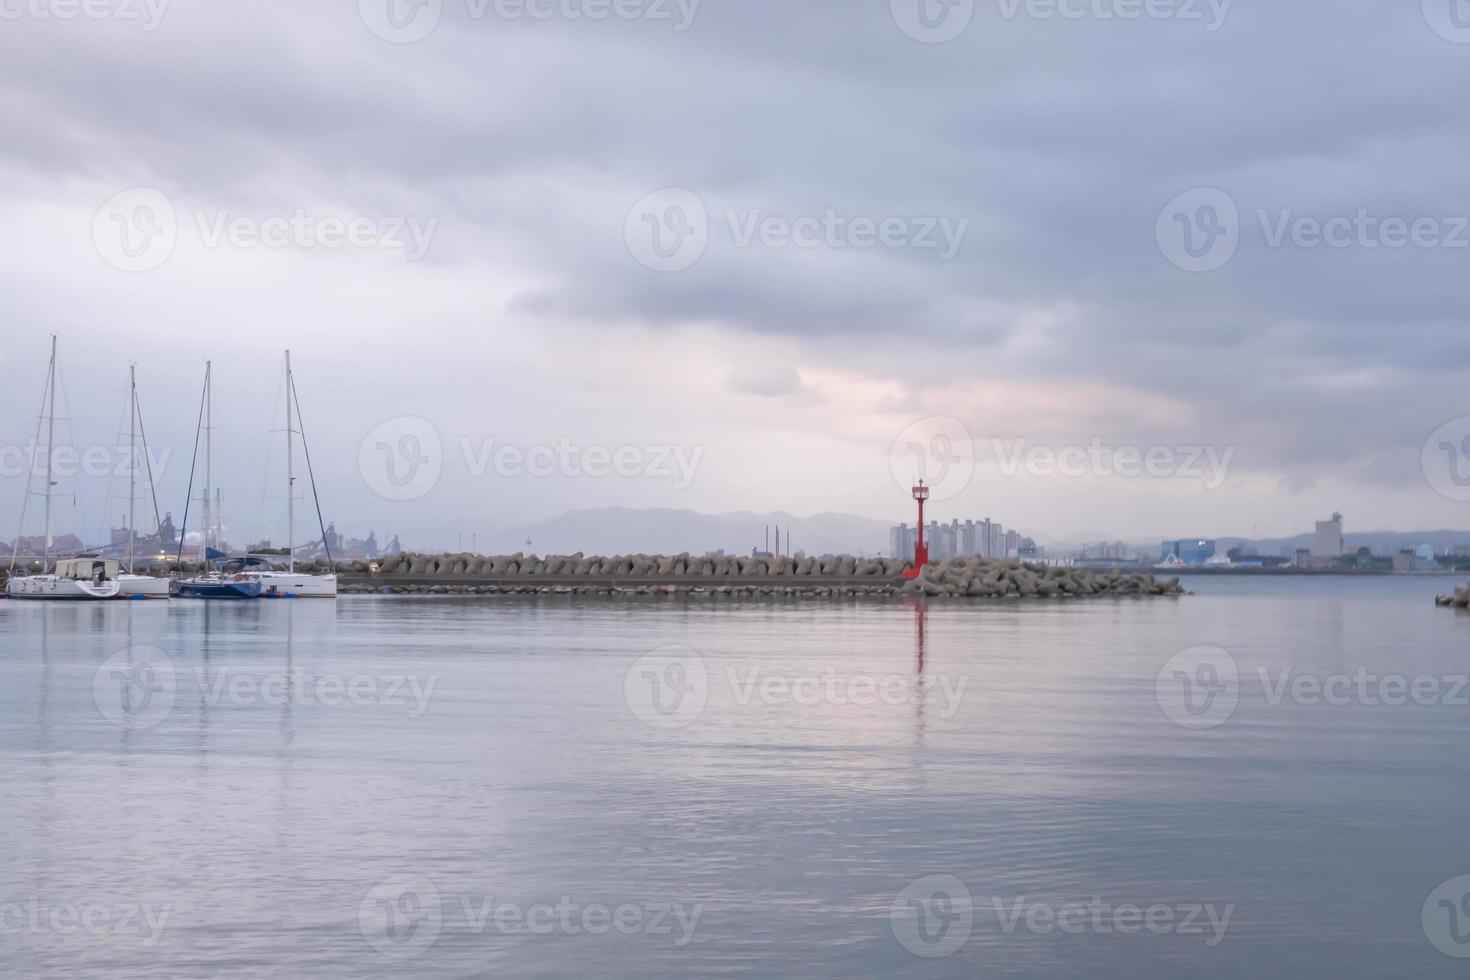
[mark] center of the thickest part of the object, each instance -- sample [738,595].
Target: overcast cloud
[771,237]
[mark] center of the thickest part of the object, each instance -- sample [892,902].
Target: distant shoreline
[1307,572]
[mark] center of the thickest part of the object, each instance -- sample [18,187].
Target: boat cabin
[94,570]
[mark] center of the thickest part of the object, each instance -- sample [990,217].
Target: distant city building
[984,538]
[943,539]
[164,538]
[1327,543]
[1421,559]
[901,541]
[1116,551]
[1195,552]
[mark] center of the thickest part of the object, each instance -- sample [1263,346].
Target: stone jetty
[1011,579]
[464,574]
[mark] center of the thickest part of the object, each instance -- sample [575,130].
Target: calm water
[446,788]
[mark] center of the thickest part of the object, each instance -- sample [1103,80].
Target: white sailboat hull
[52,587]
[295,585]
[142,587]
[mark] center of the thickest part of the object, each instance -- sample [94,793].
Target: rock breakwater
[1013,579]
[724,575]
[1460,600]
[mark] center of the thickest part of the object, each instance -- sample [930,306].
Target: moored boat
[288,583]
[213,583]
[283,583]
[216,585]
[72,578]
[131,585]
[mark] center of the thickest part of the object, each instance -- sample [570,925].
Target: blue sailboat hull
[246,589]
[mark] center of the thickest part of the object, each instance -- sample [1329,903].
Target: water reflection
[265,822]
[921,622]
[207,611]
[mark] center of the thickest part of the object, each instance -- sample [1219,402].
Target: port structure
[921,551]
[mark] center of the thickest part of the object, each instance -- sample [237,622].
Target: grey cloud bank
[1046,142]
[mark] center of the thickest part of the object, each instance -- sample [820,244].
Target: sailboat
[72,578]
[131,585]
[217,582]
[288,583]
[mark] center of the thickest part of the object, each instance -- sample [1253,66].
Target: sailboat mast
[208,524]
[132,467]
[290,478]
[50,454]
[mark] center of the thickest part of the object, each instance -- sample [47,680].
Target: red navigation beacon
[921,553]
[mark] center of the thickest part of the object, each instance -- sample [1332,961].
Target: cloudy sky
[1142,267]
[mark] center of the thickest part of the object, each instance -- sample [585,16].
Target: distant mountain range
[623,530]
[61,544]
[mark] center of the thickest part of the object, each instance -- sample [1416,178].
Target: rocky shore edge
[1460,600]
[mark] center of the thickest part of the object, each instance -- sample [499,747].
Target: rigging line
[79,512]
[265,523]
[25,498]
[112,469]
[193,460]
[291,393]
[148,463]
